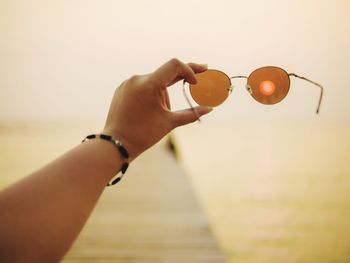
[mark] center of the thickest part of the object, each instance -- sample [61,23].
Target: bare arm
[41,215]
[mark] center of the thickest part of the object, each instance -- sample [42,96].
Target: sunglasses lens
[269,85]
[212,88]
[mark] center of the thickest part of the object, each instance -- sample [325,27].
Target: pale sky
[63,59]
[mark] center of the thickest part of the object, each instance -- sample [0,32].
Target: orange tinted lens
[269,85]
[212,88]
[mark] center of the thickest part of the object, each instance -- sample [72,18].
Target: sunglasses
[267,85]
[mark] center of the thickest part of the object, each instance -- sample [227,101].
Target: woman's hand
[43,214]
[140,113]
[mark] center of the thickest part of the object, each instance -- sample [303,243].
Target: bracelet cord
[122,150]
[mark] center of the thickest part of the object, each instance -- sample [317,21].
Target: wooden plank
[151,216]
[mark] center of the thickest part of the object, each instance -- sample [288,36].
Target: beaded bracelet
[122,150]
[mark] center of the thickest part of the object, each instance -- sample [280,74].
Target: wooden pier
[151,216]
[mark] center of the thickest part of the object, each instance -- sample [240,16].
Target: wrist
[101,157]
[124,140]
[123,153]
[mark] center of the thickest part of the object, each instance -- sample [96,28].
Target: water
[272,192]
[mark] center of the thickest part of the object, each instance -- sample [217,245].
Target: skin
[42,214]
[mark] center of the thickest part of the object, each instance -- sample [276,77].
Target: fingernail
[205,65]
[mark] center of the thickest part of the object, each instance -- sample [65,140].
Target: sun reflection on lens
[267,87]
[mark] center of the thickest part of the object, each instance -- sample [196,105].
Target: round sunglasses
[267,85]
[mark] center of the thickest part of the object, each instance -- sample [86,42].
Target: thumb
[187,116]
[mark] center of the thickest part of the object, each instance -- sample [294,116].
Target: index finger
[175,70]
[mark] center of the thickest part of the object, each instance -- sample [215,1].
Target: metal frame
[245,77]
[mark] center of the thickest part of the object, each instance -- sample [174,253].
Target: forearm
[42,215]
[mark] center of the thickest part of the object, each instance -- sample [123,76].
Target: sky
[62,60]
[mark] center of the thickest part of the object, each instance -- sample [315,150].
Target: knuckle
[175,61]
[133,80]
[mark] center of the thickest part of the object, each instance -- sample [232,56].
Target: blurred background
[273,180]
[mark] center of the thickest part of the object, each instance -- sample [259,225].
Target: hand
[140,113]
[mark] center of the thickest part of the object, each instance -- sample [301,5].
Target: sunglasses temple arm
[315,83]
[189,102]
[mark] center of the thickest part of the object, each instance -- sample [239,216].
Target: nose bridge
[240,77]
